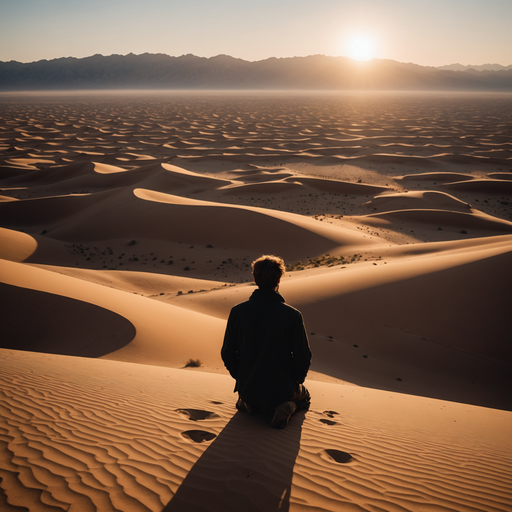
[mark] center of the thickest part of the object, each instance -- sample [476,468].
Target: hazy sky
[426,32]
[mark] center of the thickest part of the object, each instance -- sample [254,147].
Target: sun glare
[360,48]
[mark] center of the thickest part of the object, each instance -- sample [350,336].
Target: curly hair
[268,270]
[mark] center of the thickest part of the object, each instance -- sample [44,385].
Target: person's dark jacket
[266,349]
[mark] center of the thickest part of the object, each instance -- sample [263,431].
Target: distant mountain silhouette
[482,67]
[317,72]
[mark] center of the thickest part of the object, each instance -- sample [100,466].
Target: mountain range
[316,72]
[482,67]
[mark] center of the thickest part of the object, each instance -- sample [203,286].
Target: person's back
[266,349]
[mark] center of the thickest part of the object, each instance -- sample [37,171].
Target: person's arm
[301,351]
[229,352]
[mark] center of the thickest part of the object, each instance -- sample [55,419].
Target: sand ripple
[174,125]
[89,434]
[62,447]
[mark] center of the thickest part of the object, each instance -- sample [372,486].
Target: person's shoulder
[290,309]
[240,306]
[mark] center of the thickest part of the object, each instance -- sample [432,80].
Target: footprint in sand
[198,436]
[337,456]
[330,414]
[197,414]
[328,422]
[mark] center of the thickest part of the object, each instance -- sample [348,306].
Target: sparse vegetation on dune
[325,260]
[193,363]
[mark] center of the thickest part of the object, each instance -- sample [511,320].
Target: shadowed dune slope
[417,200]
[267,184]
[489,186]
[417,319]
[164,334]
[34,214]
[479,223]
[153,215]
[263,188]
[436,176]
[21,247]
[339,187]
[254,227]
[95,177]
[44,322]
[501,175]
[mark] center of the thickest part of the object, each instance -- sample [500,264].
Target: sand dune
[489,186]
[60,325]
[407,320]
[127,229]
[148,284]
[418,200]
[437,176]
[337,187]
[479,224]
[255,173]
[162,330]
[123,214]
[500,175]
[91,177]
[266,188]
[16,246]
[6,198]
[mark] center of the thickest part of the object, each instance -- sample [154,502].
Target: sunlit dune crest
[107,169]
[126,240]
[16,246]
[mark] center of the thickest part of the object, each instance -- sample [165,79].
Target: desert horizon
[128,224]
[319,72]
[491,65]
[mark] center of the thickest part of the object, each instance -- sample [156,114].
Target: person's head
[267,271]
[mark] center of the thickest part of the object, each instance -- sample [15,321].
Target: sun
[360,47]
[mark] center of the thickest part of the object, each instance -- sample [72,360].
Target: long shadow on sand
[248,467]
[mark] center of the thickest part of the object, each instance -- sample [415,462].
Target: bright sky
[426,32]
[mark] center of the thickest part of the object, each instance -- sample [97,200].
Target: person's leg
[300,401]
[243,407]
[283,413]
[240,405]
[302,398]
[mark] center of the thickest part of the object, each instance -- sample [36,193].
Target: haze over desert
[128,224]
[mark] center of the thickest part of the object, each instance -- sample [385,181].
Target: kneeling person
[266,348]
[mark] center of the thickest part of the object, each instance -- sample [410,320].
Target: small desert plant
[193,363]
